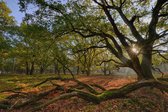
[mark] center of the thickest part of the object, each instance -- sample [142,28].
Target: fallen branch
[3,106]
[38,97]
[15,89]
[88,87]
[158,70]
[108,94]
[98,86]
[64,96]
[48,79]
[51,79]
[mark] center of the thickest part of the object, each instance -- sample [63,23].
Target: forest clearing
[84,55]
[145,99]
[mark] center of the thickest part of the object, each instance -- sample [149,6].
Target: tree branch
[91,47]
[114,41]
[155,18]
[163,15]
[162,56]
[106,61]
[123,59]
[116,30]
[158,70]
[160,44]
[130,25]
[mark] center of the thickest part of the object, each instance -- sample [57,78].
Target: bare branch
[85,36]
[115,42]
[134,18]
[66,67]
[163,33]
[91,47]
[163,15]
[160,44]
[106,61]
[122,2]
[157,70]
[162,56]
[98,2]
[159,51]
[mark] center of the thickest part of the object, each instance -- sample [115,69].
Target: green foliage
[50,37]
[5,18]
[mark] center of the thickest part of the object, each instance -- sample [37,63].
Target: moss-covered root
[121,92]
[38,97]
[109,94]
[3,106]
[82,94]
[87,86]
[63,96]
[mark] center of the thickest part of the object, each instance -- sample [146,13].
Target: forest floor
[142,100]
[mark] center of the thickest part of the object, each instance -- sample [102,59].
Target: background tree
[121,27]
[6,24]
[121,24]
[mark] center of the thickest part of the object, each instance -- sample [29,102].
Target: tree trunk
[55,68]
[41,69]
[27,68]
[88,71]
[32,69]
[137,67]
[147,62]
[109,72]
[143,69]
[64,70]
[59,75]
[13,67]
[77,71]
[104,69]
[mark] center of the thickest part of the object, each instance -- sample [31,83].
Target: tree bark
[32,69]
[104,69]
[77,71]
[96,97]
[27,68]
[64,70]
[55,68]
[147,62]
[13,67]
[137,67]
[41,69]
[88,71]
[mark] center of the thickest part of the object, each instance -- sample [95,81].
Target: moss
[3,96]
[89,108]
[110,94]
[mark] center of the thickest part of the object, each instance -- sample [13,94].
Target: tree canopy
[131,30]
[84,37]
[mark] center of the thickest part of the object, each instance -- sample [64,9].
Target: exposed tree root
[38,97]
[88,87]
[51,79]
[89,93]
[15,92]
[99,87]
[48,79]
[15,89]
[108,94]
[63,96]
[3,106]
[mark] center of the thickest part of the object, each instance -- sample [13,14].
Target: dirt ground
[142,100]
